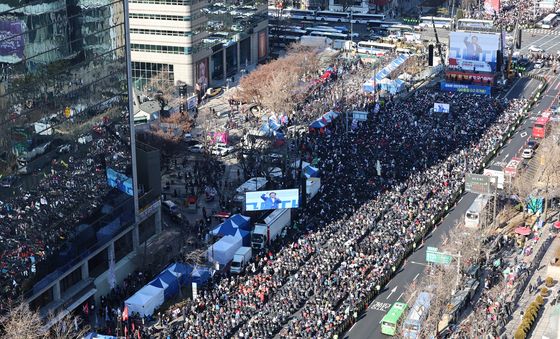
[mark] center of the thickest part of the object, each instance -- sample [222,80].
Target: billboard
[12,41]
[270,200]
[492,7]
[202,72]
[497,174]
[475,89]
[478,183]
[441,108]
[472,52]
[119,181]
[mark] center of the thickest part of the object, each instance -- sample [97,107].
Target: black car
[532,144]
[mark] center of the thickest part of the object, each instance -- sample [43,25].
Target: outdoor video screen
[119,181]
[271,200]
[441,108]
[473,51]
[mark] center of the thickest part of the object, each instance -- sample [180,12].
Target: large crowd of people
[42,211]
[384,182]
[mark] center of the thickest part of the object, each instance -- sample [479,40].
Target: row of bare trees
[278,86]
[21,322]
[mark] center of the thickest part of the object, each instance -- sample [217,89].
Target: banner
[202,74]
[476,89]
[12,43]
[467,76]
[270,200]
[473,51]
[441,108]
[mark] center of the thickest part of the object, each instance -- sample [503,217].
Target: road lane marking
[400,296]
[419,263]
[379,306]
[392,291]
[523,135]
[416,276]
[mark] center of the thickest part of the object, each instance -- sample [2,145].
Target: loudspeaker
[499,60]
[430,55]
[518,40]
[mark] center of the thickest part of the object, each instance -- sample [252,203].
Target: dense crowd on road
[36,219]
[367,217]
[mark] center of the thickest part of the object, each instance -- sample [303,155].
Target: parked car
[535,49]
[196,148]
[221,150]
[532,144]
[527,153]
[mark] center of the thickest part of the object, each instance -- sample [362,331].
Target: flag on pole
[125,313]
[85,309]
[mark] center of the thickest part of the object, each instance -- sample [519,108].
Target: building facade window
[160,32]
[161,49]
[146,16]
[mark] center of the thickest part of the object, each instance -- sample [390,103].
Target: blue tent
[317,124]
[181,270]
[200,275]
[168,281]
[246,235]
[311,172]
[225,229]
[239,221]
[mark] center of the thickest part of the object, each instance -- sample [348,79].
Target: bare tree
[68,327]
[21,323]
[549,179]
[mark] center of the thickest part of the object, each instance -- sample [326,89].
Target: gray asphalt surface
[368,326]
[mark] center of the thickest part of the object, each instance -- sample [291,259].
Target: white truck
[267,232]
[240,259]
[313,186]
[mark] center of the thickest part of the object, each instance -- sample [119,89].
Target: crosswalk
[542,31]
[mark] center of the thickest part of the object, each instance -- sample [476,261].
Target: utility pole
[352,24]
[495,221]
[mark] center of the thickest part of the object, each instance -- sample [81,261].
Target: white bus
[322,29]
[439,22]
[549,21]
[277,30]
[331,35]
[474,23]
[361,18]
[369,48]
[475,217]
[332,16]
[299,14]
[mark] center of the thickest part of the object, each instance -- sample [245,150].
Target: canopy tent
[223,250]
[230,225]
[200,275]
[168,281]
[368,86]
[330,116]
[317,124]
[391,86]
[311,172]
[392,66]
[181,271]
[146,300]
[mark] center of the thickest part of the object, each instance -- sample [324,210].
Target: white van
[170,207]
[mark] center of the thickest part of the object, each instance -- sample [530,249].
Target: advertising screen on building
[119,181]
[441,108]
[271,200]
[473,52]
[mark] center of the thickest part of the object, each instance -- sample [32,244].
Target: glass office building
[68,198]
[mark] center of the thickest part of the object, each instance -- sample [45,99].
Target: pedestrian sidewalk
[527,297]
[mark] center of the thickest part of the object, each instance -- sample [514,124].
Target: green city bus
[390,321]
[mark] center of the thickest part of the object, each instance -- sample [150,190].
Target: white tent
[145,301]
[223,250]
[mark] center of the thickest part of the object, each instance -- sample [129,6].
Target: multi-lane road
[368,326]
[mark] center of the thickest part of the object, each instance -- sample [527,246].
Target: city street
[368,326]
